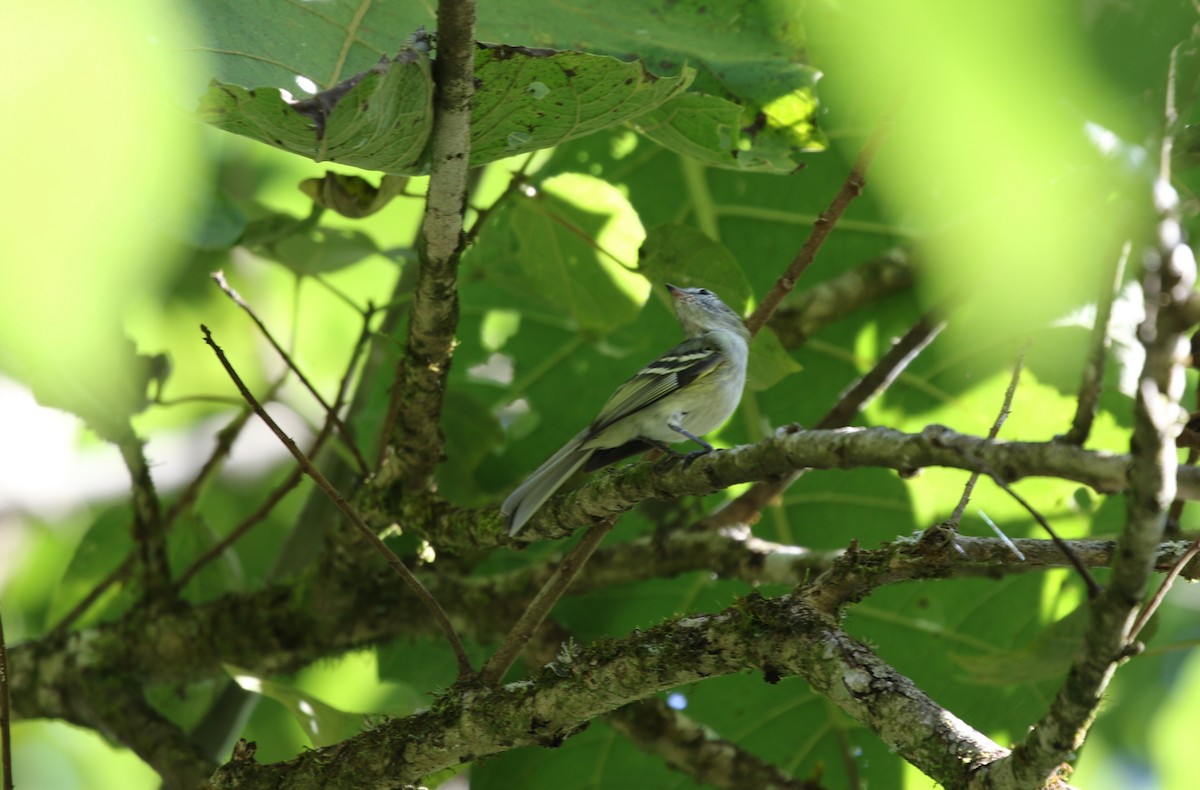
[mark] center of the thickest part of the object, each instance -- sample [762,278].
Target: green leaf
[471,434]
[578,241]
[721,133]
[381,119]
[321,250]
[378,120]
[1046,657]
[188,539]
[770,363]
[528,99]
[324,724]
[105,390]
[682,255]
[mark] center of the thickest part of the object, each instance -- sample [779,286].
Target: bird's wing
[688,361]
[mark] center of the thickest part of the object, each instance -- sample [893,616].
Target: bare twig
[496,667]
[460,653]
[89,600]
[225,439]
[1005,407]
[1093,369]
[515,182]
[5,718]
[293,479]
[1152,606]
[416,435]
[1094,589]
[237,533]
[347,438]
[819,305]
[851,188]
[745,508]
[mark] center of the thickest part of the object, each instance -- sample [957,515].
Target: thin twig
[745,508]
[1005,408]
[343,431]
[1093,586]
[1098,346]
[293,479]
[514,183]
[495,668]
[5,716]
[850,189]
[225,439]
[77,611]
[1161,594]
[237,533]
[460,653]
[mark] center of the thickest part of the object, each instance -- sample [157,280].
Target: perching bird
[685,393]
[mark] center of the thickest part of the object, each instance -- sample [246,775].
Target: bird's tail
[545,480]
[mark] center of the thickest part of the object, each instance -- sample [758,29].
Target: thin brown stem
[460,653]
[1161,594]
[496,667]
[225,439]
[1093,586]
[241,530]
[851,188]
[5,715]
[343,431]
[481,215]
[1005,409]
[89,600]
[1098,346]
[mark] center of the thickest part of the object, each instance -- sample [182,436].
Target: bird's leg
[692,456]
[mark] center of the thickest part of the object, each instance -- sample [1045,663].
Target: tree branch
[1168,278]
[417,440]
[1093,369]
[616,491]
[431,603]
[780,637]
[811,310]
[746,508]
[850,189]
[149,532]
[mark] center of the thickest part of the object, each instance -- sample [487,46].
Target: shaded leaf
[770,362]
[188,539]
[378,120]
[683,256]
[531,99]
[321,250]
[577,239]
[104,390]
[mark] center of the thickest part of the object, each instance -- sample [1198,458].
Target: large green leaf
[379,119]
[757,110]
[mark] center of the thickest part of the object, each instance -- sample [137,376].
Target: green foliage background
[989,165]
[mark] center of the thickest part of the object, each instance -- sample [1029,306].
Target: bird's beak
[675,292]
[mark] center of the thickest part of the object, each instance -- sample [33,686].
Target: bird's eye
[704,292]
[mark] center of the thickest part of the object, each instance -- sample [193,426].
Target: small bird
[684,394]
